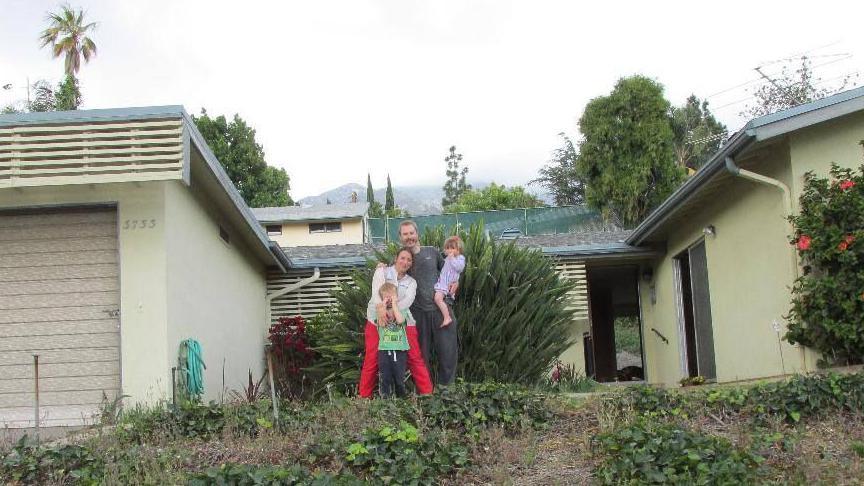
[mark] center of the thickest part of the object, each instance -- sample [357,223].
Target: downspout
[735,170]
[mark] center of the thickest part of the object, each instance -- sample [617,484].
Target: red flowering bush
[291,353]
[828,298]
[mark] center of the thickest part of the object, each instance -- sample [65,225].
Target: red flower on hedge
[847,185]
[803,243]
[842,246]
[849,239]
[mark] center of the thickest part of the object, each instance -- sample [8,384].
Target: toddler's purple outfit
[453,266]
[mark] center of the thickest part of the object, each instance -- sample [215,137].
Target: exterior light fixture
[709,230]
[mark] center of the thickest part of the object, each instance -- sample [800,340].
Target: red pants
[369,373]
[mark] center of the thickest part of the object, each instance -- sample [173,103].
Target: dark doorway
[695,302]
[614,350]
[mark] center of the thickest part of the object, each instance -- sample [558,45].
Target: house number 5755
[139,224]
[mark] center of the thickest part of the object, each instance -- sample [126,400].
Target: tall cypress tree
[370,193]
[389,201]
[375,209]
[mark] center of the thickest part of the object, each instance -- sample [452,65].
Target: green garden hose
[192,366]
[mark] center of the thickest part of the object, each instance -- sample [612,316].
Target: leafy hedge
[828,298]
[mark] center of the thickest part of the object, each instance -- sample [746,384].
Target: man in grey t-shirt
[427,264]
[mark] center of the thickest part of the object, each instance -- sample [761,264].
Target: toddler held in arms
[454,264]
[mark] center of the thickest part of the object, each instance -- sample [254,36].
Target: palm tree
[67,34]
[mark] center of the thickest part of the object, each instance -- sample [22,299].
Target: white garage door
[60,300]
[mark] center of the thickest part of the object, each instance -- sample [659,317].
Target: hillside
[417,200]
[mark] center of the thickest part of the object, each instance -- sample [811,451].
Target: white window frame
[328,227]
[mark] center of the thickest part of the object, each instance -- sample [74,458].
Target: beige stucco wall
[837,141]
[749,271]
[142,274]
[297,234]
[575,354]
[215,292]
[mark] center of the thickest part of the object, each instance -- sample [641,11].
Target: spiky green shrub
[511,308]
[828,298]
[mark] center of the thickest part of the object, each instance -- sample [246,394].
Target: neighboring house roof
[745,140]
[313,213]
[227,189]
[588,245]
[584,245]
[329,256]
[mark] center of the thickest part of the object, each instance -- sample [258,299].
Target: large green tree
[560,177]
[234,145]
[493,197]
[455,185]
[626,157]
[698,135]
[68,35]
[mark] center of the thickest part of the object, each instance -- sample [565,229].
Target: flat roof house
[329,224]
[121,236]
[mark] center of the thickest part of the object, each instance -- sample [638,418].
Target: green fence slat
[531,221]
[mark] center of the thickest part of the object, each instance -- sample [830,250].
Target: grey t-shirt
[427,263]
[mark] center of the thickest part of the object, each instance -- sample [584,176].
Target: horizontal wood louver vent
[575,270]
[309,300]
[86,153]
[318,296]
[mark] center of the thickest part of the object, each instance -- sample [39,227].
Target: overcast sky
[337,89]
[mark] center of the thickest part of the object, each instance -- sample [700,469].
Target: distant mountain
[417,200]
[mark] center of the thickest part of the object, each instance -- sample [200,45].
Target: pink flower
[847,185]
[803,243]
[842,246]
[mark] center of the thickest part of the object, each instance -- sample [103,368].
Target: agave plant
[514,321]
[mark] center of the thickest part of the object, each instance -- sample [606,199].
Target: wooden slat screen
[85,153]
[316,297]
[309,300]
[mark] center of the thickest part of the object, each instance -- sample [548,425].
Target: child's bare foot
[446,322]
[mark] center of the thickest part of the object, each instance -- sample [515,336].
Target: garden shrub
[291,353]
[799,397]
[402,456]
[642,453]
[338,345]
[29,463]
[514,321]
[255,475]
[828,298]
[470,407]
